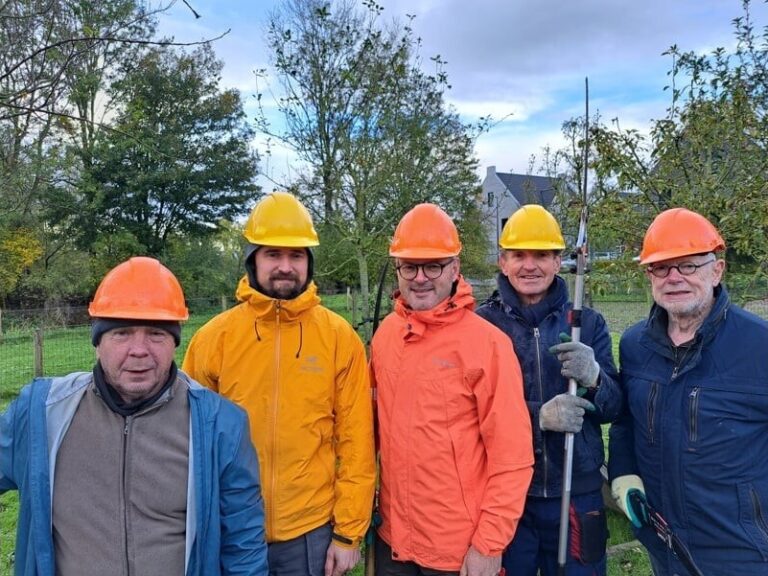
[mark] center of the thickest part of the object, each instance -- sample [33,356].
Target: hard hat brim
[661,255]
[422,253]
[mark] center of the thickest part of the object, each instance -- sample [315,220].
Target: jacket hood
[266,306]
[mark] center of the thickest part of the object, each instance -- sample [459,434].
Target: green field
[67,350]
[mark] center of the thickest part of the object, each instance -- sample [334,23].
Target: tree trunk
[362,264]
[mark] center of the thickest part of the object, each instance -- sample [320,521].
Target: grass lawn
[70,350]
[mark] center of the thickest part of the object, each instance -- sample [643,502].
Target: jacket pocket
[653,395]
[693,415]
[752,510]
[593,532]
[588,449]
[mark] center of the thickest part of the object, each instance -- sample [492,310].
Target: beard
[283,287]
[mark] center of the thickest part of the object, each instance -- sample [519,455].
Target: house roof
[529,189]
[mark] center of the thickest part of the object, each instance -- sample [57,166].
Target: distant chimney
[490,171]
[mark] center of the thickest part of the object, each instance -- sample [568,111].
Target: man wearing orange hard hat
[692,443]
[132,468]
[454,432]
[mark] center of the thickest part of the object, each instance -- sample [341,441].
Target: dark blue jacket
[532,336]
[695,429]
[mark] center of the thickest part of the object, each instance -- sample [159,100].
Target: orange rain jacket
[300,372]
[455,434]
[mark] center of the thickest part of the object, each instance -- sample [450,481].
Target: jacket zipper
[757,509]
[693,410]
[652,411]
[273,445]
[536,338]
[124,496]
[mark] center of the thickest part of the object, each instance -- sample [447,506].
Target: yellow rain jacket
[300,372]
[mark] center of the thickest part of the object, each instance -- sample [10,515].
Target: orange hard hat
[679,232]
[426,231]
[140,288]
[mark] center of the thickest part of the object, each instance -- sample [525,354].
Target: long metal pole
[575,321]
[370,537]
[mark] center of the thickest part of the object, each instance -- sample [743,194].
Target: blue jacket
[532,338]
[695,429]
[225,517]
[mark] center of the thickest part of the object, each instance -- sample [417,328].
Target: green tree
[58,59]
[209,268]
[371,129]
[708,154]
[178,159]
[18,250]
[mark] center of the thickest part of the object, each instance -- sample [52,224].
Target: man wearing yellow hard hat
[132,468]
[531,305]
[692,442]
[300,371]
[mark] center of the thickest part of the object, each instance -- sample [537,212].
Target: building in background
[504,192]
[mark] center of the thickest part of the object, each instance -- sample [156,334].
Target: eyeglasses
[432,270]
[684,268]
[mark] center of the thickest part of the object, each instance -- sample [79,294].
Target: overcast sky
[527,58]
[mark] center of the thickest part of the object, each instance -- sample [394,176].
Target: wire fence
[57,341]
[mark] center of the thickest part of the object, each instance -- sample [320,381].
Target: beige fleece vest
[120,489]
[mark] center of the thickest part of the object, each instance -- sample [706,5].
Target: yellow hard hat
[531,227]
[279,219]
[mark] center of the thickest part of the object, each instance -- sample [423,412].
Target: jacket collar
[446,312]
[508,298]
[266,307]
[655,334]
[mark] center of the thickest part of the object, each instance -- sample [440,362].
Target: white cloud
[527,58]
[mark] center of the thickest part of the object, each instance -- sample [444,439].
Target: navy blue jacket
[541,375]
[695,429]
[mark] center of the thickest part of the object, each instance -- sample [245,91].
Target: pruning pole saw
[575,322]
[370,536]
[650,517]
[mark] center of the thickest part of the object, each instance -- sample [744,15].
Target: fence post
[38,352]
[223,303]
[354,308]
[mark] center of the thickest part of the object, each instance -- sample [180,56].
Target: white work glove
[578,361]
[564,413]
[621,488]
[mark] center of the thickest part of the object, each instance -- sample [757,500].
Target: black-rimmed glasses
[432,270]
[684,268]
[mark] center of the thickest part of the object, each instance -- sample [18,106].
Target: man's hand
[340,560]
[564,413]
[477,564]
[621,488]
[578,362]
